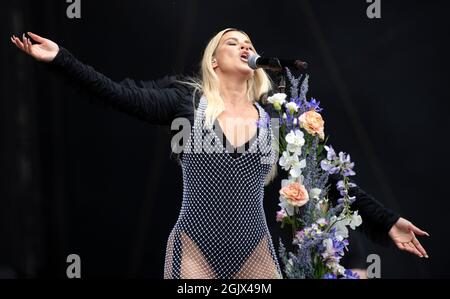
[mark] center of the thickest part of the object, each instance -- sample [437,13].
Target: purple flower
[340,185]
[344,158]
[329,276]
[328,166]
[348,172]
[333,164]
[346,165]
[340,245]
[313,104]
[322,222]
[351,275]
[300,234]
[331,154]
[280,215]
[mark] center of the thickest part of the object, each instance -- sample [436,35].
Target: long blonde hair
[208,85]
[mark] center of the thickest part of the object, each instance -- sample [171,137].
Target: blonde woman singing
[221,231]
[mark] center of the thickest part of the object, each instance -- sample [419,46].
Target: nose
[245,47]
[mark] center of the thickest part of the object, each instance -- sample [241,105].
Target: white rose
[292,107]
[287,161]
[296,169]
[295,141]
[277,100]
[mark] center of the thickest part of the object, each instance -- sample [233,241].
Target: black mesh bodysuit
[221,231]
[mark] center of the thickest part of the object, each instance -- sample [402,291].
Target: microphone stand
[281,82]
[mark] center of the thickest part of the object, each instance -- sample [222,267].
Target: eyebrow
[233,38]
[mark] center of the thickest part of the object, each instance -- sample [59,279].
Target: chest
[239,127]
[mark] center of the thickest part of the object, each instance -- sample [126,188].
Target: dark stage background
[79,177]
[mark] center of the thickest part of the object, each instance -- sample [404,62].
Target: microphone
[276,64]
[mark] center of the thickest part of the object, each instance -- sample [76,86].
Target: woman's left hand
[403,233]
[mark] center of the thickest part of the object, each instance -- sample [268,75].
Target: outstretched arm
[381,223]
[156,102]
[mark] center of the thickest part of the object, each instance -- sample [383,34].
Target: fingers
[30,46]
[420,247]
[411,248]
[415,250]
[18,43]
[401,246]
[36,37]
[25,43]
[418,231]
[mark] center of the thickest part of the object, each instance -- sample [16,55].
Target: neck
[233,90]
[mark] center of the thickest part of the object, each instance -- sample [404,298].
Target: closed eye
[233,44]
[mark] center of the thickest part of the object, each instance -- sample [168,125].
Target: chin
[247,72]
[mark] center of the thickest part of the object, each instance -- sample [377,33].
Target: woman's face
[232,54]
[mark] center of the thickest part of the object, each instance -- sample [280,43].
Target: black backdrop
[78,177]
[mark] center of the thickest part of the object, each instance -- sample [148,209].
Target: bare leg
[193,263]
[260,264]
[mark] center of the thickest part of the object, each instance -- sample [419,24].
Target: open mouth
[244,57]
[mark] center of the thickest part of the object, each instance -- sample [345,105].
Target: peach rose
[295,194]
[313,123]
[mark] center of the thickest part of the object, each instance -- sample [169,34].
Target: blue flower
[351,275]
[348,172]
[329,167]
[331,154]
[346,165]
[329,276]
[339,245]
[340,185]
[313,104]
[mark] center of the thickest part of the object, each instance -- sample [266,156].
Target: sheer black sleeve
[377,219]
[158,102]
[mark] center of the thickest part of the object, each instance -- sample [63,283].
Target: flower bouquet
[318,225]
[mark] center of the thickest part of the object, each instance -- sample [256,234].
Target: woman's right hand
[44,50]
